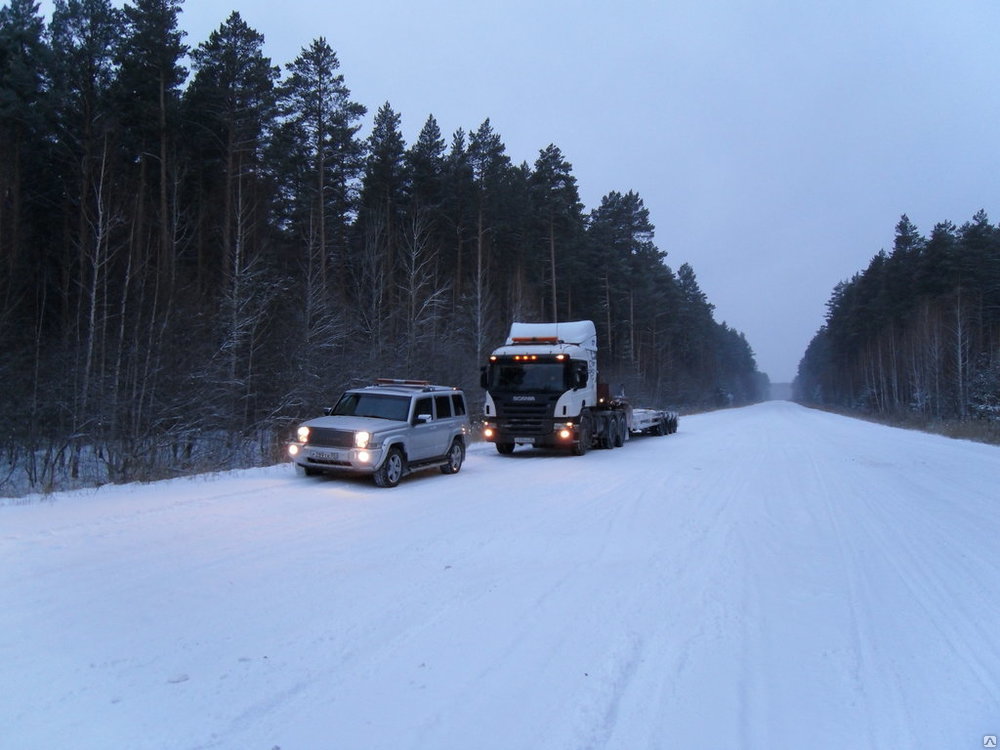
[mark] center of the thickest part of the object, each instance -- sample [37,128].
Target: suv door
[422,439]
[444,414]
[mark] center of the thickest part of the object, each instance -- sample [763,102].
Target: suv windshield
[373,405]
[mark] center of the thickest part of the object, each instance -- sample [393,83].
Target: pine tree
[84,38]
[148,96]
[230,106]
[458,211]
[491,170]
[26,282]
[381,226]
[319,159]
[24,104]
[425,164]
[621,239]
[229,109]
[558,217]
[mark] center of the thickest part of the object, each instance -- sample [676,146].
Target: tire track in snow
[858,603]
[964,627]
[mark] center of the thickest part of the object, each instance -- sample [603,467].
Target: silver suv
[388,430]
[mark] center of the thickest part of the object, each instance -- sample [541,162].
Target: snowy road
[769,577]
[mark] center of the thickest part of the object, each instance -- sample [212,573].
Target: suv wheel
[391,470]
[456,455]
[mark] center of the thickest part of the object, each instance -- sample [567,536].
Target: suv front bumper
[360,460]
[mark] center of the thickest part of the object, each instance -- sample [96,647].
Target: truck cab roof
[581,333]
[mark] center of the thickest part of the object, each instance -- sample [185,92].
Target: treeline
[198,248]
[918,331]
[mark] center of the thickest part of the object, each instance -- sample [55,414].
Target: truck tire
[606,435]
[456,455]
[504,449]
[391,470]
[585,437]
[619,431]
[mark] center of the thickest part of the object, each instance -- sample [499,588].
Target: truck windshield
[373,405]
[534,377]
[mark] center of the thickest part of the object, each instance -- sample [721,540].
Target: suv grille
[330,438]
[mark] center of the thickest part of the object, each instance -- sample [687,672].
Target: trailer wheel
[504,449]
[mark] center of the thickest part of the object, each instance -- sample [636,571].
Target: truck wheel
[504,449]
[456,455]
[585,438]
[619,430]
[391,470]
[659,429]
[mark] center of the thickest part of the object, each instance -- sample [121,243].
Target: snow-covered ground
[768,577]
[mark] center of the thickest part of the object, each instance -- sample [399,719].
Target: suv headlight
[303,434]
[361,439]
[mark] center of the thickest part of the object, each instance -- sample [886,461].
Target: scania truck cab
[541,388]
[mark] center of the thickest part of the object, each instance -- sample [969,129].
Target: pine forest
[917,333]
[199,247]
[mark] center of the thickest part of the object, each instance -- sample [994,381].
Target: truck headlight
[303,434]
[361,439]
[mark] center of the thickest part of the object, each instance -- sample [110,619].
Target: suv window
[423,406]
[459,403]
[443,405]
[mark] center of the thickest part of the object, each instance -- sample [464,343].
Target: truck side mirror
[580,376]
[484,379]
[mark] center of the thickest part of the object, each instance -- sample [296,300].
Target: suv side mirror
[422,419]
[327,411]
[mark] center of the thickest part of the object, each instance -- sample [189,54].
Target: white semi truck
[542,390]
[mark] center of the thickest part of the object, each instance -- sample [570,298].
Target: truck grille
[330,438]
[525,418]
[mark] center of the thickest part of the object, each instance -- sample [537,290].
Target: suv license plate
[326,455]
[529,440]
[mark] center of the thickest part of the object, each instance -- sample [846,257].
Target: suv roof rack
[400,381]
[421,385]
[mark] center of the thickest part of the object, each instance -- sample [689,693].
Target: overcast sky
[775,142]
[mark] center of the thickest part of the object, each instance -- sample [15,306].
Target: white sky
[775,142]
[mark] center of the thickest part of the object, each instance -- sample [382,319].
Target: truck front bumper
[561,433]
